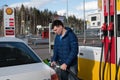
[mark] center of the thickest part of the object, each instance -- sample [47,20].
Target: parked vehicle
[19,62]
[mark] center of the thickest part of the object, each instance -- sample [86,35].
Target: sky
[62,7]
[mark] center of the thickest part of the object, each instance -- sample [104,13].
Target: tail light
[54,77]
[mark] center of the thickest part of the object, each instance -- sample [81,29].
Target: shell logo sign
[9,22]
[9,11]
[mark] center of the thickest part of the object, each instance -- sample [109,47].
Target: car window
[16,53]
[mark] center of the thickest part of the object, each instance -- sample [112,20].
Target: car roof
[10,39]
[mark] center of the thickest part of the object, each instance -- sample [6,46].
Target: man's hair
[57,23]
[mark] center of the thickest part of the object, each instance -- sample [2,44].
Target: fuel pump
[104,40]
[109,41]
[108,61]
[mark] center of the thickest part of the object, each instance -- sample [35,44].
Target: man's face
[58,29]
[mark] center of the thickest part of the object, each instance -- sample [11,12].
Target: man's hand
[53,63]
[63,66]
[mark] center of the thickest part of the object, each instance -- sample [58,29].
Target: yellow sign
[118,5]
[9,11]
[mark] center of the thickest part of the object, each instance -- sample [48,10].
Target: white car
[19,62]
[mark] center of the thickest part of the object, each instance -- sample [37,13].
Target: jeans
[65,75]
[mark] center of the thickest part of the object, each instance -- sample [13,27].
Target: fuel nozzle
[110,31]
[110,27]
[104,30]
[104,27]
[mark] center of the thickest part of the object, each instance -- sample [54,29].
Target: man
[65,50]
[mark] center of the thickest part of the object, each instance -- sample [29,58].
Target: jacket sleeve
[74,49]
[54,57]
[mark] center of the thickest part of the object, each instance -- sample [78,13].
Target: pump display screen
[93,18]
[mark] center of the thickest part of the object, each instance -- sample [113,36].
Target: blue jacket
[66,48]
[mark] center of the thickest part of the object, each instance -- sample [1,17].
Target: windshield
[16,53]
